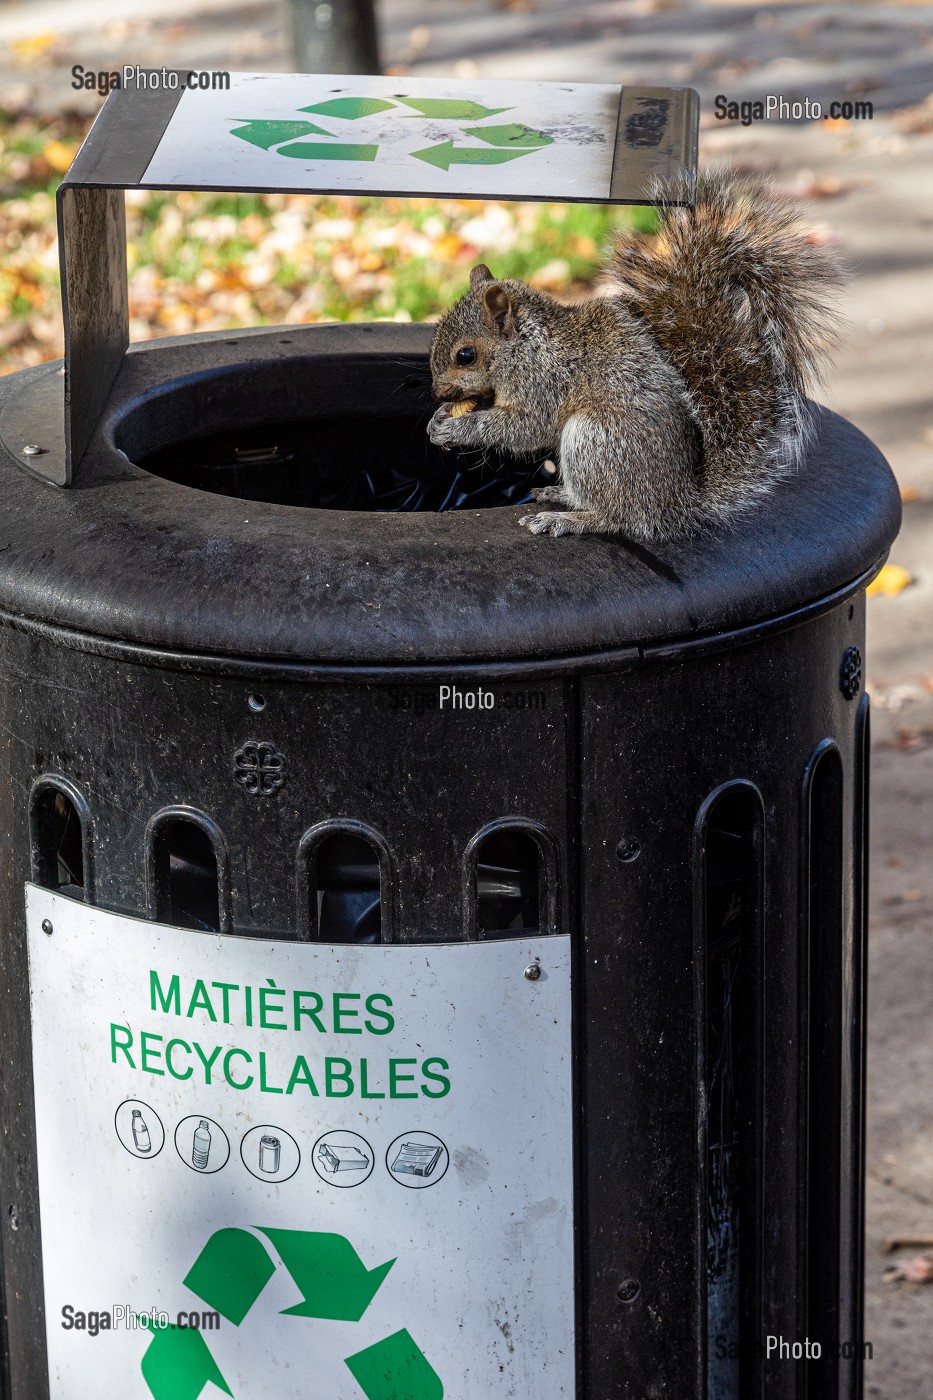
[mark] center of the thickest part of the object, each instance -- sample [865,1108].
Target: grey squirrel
[671,405]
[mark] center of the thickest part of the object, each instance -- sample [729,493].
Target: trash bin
[445,947]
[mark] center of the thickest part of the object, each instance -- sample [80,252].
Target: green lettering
[395,1078]
[385,1016]
[225,988]
[168,1002]
[341,1014]
[147,1053]
[310,1012]
[234,1083]
[200,1001]
[332,1077]
[265,1009]
[301,1074]
[123,1045]
[438,1078]
[206,1063]
[176,1074]
[263,1086]
[364,1084]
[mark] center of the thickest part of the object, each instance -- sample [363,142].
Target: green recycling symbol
[505,142]
[232,1270]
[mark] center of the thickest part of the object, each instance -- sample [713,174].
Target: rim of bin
[128,562]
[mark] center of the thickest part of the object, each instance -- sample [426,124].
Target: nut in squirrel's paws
[457,423]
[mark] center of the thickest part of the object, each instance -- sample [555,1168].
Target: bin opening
[347,890]
[730,1036]
[186,880]
[58,842]
[508,874]
[317,432]
[826,1032]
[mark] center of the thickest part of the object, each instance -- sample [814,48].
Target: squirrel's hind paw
[562,522]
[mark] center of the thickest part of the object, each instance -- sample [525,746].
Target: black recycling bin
[275,671]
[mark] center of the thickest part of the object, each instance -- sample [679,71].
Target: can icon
[270,1153]
[141,1132]
[202,1145]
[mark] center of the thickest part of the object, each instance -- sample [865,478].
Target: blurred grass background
[203,262]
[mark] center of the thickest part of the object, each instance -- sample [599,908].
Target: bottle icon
[202,1145]
[140,1132]
[270,1153]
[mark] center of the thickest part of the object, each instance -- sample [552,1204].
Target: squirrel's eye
[466,355]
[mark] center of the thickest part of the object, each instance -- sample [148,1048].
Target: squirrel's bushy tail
[740,300]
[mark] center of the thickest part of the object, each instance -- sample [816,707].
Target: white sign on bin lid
[355,1161]
[299,131]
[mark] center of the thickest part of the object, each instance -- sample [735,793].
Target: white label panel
[359,1159]
[410,135]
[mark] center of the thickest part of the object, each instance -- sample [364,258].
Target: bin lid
[128,557]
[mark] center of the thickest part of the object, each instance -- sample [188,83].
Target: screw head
[850,673]
[47,926]
[32,450]
[628,849]
[628,1290]
[533,972]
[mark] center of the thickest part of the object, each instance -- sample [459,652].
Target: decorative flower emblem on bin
[260,769]
[850,673]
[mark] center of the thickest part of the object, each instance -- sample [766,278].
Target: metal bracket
[650,133]
[32,425]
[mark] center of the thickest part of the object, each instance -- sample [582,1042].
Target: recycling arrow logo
[298,139]
[231,1272]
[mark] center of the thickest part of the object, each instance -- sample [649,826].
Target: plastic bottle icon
[270,1153]
[140,1132]
[202,1145]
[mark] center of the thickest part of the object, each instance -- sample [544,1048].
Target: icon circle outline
[140,1156]
[263,1128]
[424,1182]
[208,1170]
[331,1179]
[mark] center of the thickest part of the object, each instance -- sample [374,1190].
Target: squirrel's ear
[497,310]
[480,274]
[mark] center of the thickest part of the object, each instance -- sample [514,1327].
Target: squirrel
[671,405]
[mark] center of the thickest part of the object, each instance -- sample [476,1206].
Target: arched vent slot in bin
[857,1026]
[345,881]
[60,832]
[729,904]
[510,881]
[188,872]
[826,1041]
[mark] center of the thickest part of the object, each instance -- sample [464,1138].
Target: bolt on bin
[445,948]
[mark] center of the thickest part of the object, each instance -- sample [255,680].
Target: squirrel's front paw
[549,496]
[447,430]
[552,522]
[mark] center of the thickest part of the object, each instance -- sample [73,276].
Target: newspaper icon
[416,1159]
[334,1158]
